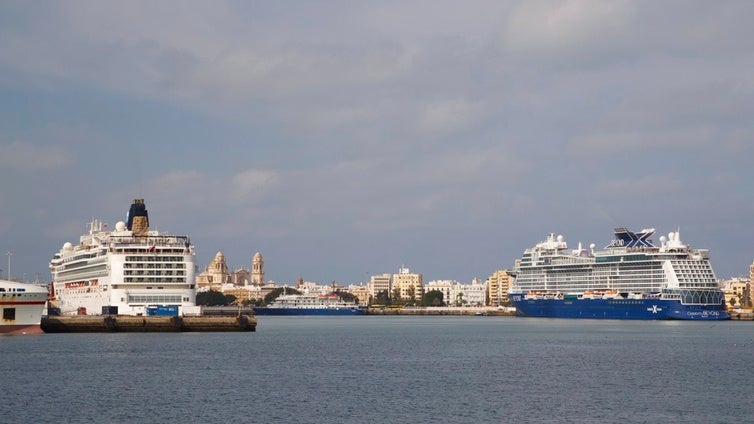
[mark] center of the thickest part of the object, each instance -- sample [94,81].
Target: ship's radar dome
[663,239]
[120,226]
[560,238]
[671,236]
[67,246]
[592,246]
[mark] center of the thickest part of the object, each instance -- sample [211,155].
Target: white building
[474,294]
[380,283]
[457,294]
[446,287]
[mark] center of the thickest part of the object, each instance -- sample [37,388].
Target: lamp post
[9,255]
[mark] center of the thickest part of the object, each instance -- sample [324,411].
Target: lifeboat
[611,294]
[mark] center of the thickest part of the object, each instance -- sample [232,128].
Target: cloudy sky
[343,139]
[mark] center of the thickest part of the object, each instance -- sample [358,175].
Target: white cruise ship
[21,307]
[310,304]
[123,271]
[630,279]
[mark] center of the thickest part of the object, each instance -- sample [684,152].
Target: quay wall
[489,311]
[146,324]
[473,311]
[742,316]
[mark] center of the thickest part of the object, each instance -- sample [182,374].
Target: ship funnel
[138,218]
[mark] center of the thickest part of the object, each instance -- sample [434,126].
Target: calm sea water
[387,370]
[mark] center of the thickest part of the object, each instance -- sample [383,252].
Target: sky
[344,139]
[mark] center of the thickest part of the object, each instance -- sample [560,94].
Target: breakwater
[742,316]
[144,324]
[449,310]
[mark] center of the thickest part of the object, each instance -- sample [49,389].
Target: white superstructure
[630,264]
[125,270]
[21,307]
[311,301]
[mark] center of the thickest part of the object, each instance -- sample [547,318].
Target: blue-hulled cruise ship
[631,278]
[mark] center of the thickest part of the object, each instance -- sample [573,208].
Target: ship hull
[309,311]
[635,309]
[21,329]
[23,314]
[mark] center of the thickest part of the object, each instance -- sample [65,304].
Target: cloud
[640,142]
[215,205]
[179,195]
[558,25]
[199,52]
[338,117]
[292,71]
[640,188]
[28,158]
[368,194]
[317,123]
[252,182]
[451,115]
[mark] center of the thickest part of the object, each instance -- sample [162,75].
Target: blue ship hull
[646,309]
[309,311]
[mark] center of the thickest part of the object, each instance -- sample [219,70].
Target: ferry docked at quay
[310,304]
[128,271]
[631,278]
[21,307]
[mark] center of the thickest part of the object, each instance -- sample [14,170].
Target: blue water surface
[387,369]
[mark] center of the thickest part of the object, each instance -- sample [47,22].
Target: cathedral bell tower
[257,270]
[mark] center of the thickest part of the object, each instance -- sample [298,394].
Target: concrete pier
[146,324]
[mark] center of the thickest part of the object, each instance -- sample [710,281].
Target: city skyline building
[378,283]
[497,287]
[443,286]
[215,275]
[409,286]
[257,269]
